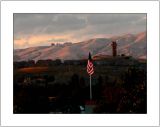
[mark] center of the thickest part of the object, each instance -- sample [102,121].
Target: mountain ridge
[129,44]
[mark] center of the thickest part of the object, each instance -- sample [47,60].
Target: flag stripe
[90,69]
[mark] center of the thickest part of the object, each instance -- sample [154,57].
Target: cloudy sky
[43,29]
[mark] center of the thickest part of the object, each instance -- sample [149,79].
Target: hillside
[129,44]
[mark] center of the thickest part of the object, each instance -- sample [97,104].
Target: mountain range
[134,45]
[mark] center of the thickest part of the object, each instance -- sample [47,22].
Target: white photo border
[151,8]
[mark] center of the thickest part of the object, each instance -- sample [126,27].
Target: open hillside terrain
[129,44]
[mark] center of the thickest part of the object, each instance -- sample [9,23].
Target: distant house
[52,44]
[67,43]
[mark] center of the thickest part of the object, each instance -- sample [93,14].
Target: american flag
[90,68]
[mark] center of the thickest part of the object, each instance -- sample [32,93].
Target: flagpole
[90,89]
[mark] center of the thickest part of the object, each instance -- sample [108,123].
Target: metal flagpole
[90,89]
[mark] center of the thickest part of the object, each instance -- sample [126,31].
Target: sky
[43,29]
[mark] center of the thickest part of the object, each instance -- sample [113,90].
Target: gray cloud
[57,23]
[78,25]
[46,23]
[113,18]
